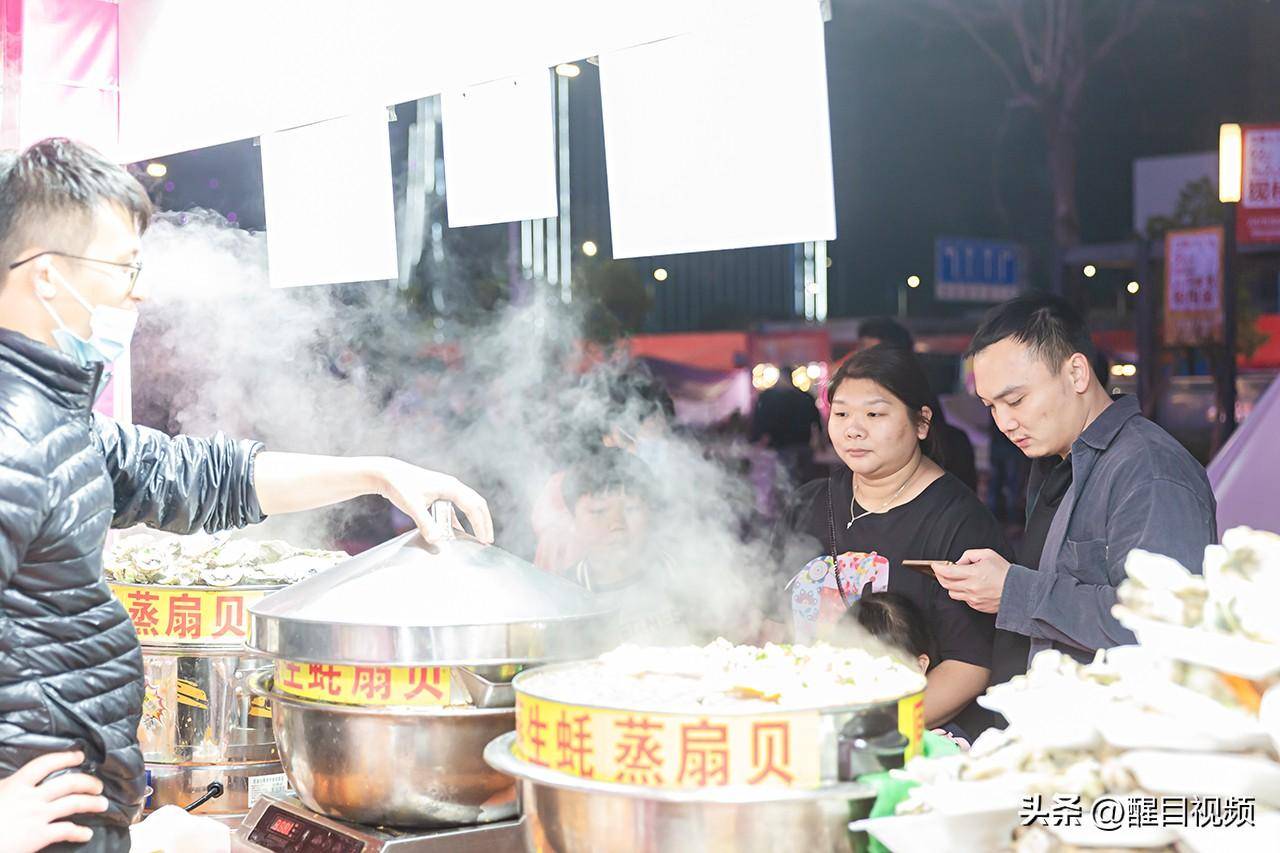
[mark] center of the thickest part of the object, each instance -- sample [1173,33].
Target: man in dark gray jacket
[1106,481]
[70,665]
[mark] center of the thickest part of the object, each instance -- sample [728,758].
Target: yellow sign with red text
[365,685]
[187,616]
[683,751]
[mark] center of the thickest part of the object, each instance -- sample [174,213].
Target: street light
[568,69]
[660,274]
[1230,165]
[1132,287]
[1230,173]
[589,248]
[913,281]
[1090,270]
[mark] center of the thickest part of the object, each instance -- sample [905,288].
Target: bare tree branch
[1014,11]
[1132,15]
[962,13]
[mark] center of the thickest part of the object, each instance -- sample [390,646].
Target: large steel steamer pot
[198,708]
[457,603]
[566,814]
[200,725]
[196,704]
[392,766]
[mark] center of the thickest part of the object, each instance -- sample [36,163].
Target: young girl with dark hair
[896,621]
[890,502]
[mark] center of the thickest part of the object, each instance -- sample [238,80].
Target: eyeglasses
[134,268]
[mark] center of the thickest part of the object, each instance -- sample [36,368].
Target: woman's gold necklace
[854,500]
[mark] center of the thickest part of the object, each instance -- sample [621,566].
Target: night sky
[916,111]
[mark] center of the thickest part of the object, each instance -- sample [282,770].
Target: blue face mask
[110,330]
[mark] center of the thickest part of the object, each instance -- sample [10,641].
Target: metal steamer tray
[461,613]
[406,603]
[825,745]
[572,815]
[283,825]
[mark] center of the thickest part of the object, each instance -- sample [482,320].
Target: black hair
[899,372]
[888,332]
[896,620]
[637,383]
[606,470]
[1047,324]
[49,194]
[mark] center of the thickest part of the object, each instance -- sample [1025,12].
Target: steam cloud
[502,405]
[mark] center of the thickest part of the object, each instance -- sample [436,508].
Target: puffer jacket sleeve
[180,484]
[23,500]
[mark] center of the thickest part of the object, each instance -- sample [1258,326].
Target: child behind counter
[896,621]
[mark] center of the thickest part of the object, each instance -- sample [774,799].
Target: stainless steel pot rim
[257,686]
[201,650]
[442,663]
[498,755]
[212,766]
[832,710]
[202,587]
[549,620]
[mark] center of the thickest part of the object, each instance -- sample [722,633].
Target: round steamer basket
[795,749]
[567,814]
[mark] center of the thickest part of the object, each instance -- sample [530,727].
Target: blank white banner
[203,72]
[329,206]
[720,139]
[499,151]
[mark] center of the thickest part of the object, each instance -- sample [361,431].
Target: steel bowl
[566,814]
[411,768]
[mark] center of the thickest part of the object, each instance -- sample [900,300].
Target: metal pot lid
[408,603]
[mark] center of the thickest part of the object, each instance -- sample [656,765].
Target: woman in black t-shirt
[848,534]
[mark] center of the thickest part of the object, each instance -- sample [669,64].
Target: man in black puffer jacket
[70,664]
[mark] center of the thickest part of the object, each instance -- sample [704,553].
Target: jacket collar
[54,373]
[1107,425]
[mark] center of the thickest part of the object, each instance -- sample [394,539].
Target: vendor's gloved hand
[32,806]
[414,489]
[169,829]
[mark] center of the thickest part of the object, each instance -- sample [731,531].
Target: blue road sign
[967,270]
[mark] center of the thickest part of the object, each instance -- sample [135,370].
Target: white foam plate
[1134,728]
[1088,835]
[975,832]
[1223,652]
[1055,717]
[1262,837]
[982,795]
[1269,715]
[1206,775]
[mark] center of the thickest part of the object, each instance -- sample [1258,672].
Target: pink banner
[62,71]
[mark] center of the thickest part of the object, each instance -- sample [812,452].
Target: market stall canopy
[409,603]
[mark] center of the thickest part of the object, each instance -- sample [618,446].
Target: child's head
[896,620]
[609,493]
